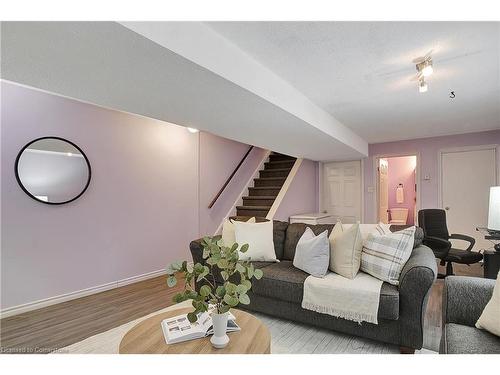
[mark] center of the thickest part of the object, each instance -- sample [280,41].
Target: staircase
[265,189]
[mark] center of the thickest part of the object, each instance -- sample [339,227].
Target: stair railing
[230,178]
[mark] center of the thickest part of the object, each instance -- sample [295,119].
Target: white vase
[219,339]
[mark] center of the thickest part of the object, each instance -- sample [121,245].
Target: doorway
[466,175]
[341,191]
[397,189]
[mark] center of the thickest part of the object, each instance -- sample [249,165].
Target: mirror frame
[31,195]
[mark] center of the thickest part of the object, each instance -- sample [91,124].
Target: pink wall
[302,196]
[145,203]
[218,158]
[402,170]
[427,148]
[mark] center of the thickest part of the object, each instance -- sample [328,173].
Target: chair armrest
[464,299]
[439,246]
[464,237]
[415,282]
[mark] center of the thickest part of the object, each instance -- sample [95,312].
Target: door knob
[447,208]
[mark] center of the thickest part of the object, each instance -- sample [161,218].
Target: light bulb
[422,86]
[192,130]
[427,71]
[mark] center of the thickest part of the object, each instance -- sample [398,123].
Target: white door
[383,191]
[342,190]
[466,177]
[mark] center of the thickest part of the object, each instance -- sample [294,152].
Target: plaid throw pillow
[385,256]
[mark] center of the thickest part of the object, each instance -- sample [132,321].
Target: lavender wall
[427,148]
[218,158]
[402,170]
[140,212]
[302,195]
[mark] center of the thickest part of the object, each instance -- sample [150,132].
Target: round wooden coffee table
[147,337]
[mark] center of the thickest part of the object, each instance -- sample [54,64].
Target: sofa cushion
[295,231]
[279,231]
[461,339]
[419,233]
[284,282]
[281,281]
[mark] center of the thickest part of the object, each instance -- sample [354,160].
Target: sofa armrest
[415,282]
[464,299]
[197,251]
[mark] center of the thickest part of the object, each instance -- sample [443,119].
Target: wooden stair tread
[270,178]
[256,197]
[265,187]
[280,169]
[254,208]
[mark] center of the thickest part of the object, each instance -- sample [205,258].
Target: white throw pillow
[259,237]
[365,229]
[385,256]
[228,236]
[490,317]
[312,253]
[382,229]
[345,251]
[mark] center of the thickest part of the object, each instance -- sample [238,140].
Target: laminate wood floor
[60,325]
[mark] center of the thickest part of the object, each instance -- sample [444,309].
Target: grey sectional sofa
[464,299]
[401,308]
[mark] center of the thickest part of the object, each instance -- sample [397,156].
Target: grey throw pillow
[312,254]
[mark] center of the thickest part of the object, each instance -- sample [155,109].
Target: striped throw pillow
[385,256]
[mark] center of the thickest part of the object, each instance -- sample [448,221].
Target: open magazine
[179,329]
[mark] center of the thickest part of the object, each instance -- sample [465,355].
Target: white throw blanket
[355,299]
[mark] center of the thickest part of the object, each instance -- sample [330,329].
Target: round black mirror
[52,170]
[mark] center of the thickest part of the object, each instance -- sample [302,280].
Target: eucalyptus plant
[217,257]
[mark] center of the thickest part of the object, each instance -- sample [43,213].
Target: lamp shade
[494,212]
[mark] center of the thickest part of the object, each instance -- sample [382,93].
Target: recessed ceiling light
[192,130]
[69,154]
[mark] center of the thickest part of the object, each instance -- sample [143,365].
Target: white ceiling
[107,64]
[360,72]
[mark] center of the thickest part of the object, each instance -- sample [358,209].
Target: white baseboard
[15,310]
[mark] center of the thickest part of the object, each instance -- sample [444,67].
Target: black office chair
[436,236]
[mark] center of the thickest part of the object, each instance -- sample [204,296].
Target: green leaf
[240,268]
[205,290]
[244,248]
[173,268]
[230,300]
[230,287]
[223,263]
[247,284]
[250,270]
[206,253]
[211,261]
[171,281]
[224,309]
[224,275]
[220,291]
[180,297]
[192,317]
[241,289]
[258,274]
[244,299]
